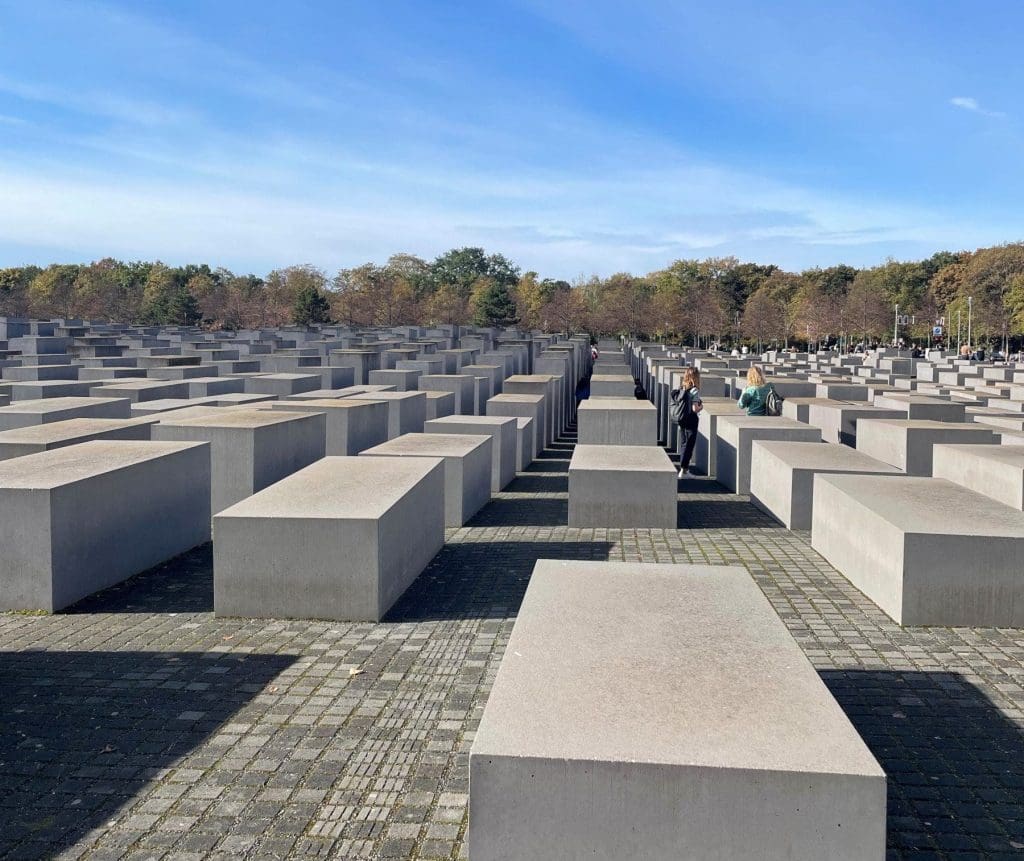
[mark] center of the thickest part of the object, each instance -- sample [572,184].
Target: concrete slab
[838,422]
[938,554]
[907,443]
[622,486]
[782,475]
[318,545]
[352,424]
[38,438]
[407,411]
[249,449]
[521,406]
[467,468]
[60,545]
[995,471]
[617,421]
[503,442]
[736,434]
[665,740]
[28,413]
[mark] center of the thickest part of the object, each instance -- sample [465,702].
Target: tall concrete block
[617,421]
[249,449]
[352,425]
[503,441]
[995,471]
[460,385]
[907,443]
[522,406]
[28,413]
[407,411]
[735,436]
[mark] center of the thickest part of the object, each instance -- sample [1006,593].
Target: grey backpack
[773,402]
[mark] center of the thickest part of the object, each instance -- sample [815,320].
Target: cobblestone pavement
[139,726]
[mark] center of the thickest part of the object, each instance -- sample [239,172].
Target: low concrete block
[839,422]
[38,438]
[282,385]
[503,441]
[907,443]
[995,471]
[611,386]
[440,404]
[61,545]
[920,407]
[462,386]
[617,421]
[925,550]
[317,545]
[782,475]
[665,740]
[735,436]
[249,449]
[28,413]
[622,486]
[467,468]
[137,391]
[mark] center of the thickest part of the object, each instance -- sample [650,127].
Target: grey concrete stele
[467,468]
[622,486]
[735,436]
[623,725]
[341,540]
[925,550]
[249,449]
[908,443]
[353,425]
[503,433]
[81,518]
[617,421]
[995,471]
[782,475]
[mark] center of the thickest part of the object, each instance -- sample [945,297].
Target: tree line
[697,301]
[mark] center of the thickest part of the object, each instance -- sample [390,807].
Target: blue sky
[575,137]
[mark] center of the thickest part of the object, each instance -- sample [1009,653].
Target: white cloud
[970,104]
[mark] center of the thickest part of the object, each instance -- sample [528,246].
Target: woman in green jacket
[755,395]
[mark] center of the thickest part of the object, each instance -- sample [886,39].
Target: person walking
[686,409]
[755,396]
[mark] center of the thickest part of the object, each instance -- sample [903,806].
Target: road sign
[937,331]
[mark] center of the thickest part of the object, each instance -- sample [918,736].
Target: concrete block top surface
[822,456]
[61,466]
[505,398]
[431,444]
[1011,456]
[619,458]
[313,405]
[683,665]
[360,488]
[229,417]
[472,421]
[744,421]
[387,396]
[930,506]
[929,424]
[53,405]
[68,429]
[631,404]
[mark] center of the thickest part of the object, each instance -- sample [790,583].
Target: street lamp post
[970,305]
[896,327]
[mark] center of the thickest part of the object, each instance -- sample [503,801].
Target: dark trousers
[688,439]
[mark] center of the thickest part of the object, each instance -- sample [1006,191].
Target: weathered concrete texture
[467,468]
[704,457]
[439,405]
[403,381]
[733,439]
[503,441]
[611,386]
[249,449]
[522,406]
[282,385]
[141,390]
[617,421]
[342,539]
[919,407]
[407,411]
[525,443]
[907,443]
[352,424]
[84,517]
[782,475]
[713,739]
[462,386]
[622,486]
[839,422]
[925,550]
[38,438]
[996,471]
[28,413]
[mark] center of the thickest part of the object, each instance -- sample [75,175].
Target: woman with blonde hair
[755,396]
[686,408]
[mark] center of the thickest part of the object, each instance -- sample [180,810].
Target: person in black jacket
[689,404]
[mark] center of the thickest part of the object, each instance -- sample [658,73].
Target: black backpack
[773,402]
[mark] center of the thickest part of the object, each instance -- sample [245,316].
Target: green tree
[14,290]
[311,306]
[492,304]
[463,267]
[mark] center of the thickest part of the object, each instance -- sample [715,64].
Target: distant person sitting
[755,396]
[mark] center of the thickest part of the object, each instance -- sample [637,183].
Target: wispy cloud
[970,104]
